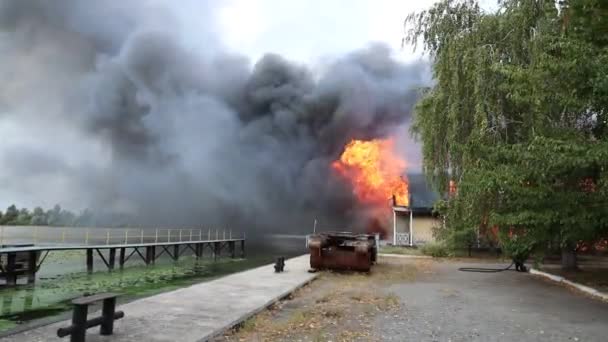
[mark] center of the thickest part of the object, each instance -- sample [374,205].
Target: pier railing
[47,235]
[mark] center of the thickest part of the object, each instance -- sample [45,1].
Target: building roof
[422,194]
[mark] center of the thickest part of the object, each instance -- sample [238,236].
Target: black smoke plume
[129,121]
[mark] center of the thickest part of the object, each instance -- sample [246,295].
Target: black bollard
[279,265]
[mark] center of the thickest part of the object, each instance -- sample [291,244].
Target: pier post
[216,250]
[243,248]
[31,268]
[232,249]
[176,251]
[112,258]
[121,258]
[90,260]
[149,255]
[11,276]
[198,249]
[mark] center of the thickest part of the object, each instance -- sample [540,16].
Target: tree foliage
[39,217]
[517,115]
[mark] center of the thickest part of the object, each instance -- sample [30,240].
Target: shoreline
[49,298]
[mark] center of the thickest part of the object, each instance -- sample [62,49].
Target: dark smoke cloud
[138,124]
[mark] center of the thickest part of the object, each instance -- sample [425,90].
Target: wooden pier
[26,260]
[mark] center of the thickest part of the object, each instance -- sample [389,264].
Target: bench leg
[79,322]
[107,316]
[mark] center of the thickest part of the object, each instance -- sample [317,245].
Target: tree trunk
[569,262]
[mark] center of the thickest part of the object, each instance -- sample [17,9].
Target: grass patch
[400,250]
[435,249]
[337,306]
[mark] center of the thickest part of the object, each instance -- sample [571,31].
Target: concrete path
[195,313]
[443,304]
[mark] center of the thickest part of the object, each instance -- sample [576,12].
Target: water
[63,275]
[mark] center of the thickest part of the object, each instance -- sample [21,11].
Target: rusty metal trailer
[342,251]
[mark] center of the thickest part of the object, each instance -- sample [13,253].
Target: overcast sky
[306,31]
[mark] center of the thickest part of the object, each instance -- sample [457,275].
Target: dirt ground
[429,300]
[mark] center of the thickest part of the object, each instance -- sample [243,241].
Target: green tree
[10,216]
[527,81]
[38,217]
[24,217]
[54,216]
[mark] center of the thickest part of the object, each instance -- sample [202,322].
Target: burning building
[413,224]
[379,182]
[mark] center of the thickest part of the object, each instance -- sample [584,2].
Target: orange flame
[375,172]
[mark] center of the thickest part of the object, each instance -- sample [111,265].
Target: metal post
[126,236]
[121,258]
[156,236]
[190,234]
[107,237]
[223,235]
[89,260]
[217,234]
[200,233]
[11,264]
[141,240]
[180,235]
[230,234]
[149,255]
[31,268]
[112,258]
[209,234]
[168,235]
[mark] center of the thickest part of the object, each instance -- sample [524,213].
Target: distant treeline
[40,217]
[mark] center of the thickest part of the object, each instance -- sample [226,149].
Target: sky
[310,32]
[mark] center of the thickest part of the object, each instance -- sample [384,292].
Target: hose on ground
[485,270]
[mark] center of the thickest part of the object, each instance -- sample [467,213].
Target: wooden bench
[80,324]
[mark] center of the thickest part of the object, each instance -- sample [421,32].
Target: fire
[375,172]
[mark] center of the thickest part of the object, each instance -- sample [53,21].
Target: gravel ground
[444,304]
[430,300]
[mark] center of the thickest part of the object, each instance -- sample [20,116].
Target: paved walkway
[195,313]
[443,304]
